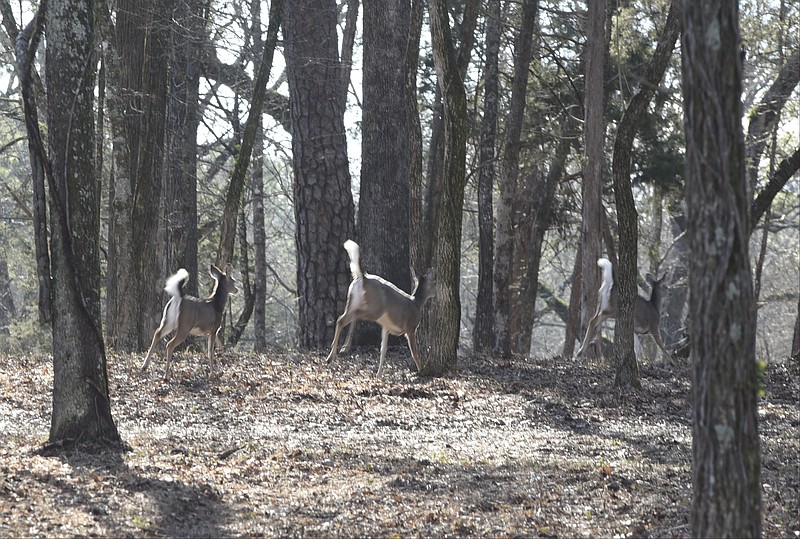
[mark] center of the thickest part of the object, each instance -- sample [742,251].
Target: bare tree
[726,453]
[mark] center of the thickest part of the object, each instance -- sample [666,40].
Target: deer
[187,315]
[375,299]
[646,312]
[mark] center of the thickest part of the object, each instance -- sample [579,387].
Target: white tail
[375,299]
[186,315]
[646,312]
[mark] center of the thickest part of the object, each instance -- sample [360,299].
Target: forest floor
[285,446]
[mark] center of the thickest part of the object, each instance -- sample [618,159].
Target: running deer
[646,312]
[187,315]
[375,299]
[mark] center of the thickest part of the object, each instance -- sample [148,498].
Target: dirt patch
[282,445]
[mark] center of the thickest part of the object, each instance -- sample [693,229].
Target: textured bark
[137,100]
[445,310]
[482,333]
[725,443]
[626,271]
[594,133]
[504,234]
[180,186]
[385,161]
[233,194]
[324,213]
[81,403]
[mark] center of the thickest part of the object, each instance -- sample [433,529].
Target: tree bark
[725,443]
[324,212]
[445,311]
[504,234]
[594,134]
[385,161]
[482,334]
[180,200]
[81,403]
[627,375]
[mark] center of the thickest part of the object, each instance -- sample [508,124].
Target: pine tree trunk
[324,212]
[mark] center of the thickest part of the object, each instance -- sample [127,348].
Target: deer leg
[348,342]
[412,345]
[660,344]
[340,324]
[175,341]
[591,332]
[384,347]
[212,337]
[156,339]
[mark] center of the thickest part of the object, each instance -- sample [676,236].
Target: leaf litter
[282,445]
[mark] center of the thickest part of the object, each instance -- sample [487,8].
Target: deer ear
[228,268]
[214,270]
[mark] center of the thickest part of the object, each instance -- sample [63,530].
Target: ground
[281,445]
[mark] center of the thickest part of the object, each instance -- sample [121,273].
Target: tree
[445,311]
[81,403]
[725,443]
[385,161]
[482,335]
[138,98]
[626,271]
[183,117]
[324,211]
[594,133]
[504,234]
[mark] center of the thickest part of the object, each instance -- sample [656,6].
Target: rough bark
[324,212]
[416,177]
[445,309]
[627,374]
[385,154]
[81,403]
[504,235]
[180,200]
[482,334]
[725,443]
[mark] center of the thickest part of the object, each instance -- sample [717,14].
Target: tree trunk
[594,133]
[81,403]
[180,198]
[445,311]
[31,109]
[626,271]
[482,334]
[324,212]
[419,261]
[385,161]
[504,234]
[726,459]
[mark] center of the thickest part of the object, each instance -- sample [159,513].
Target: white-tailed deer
[187,315]
[375,299]
[646,312]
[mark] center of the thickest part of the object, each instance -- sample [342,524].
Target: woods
[502,146]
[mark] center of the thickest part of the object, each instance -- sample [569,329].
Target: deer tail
[608,282]
[176,283]
[354,252]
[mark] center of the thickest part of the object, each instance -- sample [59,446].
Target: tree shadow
[168,507]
